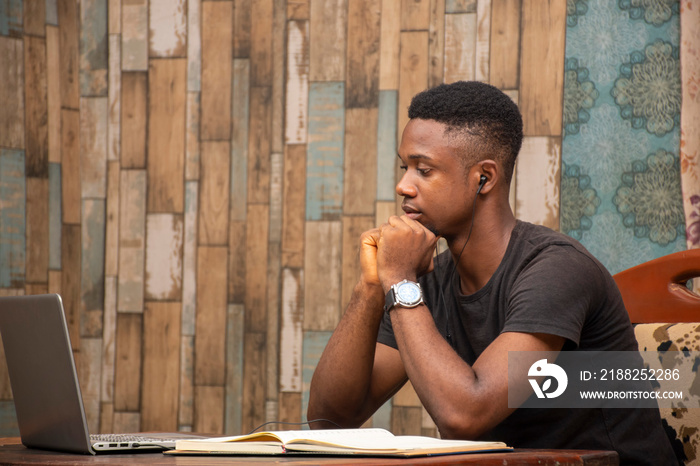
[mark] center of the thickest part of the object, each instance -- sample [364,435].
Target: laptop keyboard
[123,438]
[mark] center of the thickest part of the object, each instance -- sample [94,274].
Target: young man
[503,285]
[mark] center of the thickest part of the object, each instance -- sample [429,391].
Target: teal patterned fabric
[620,185]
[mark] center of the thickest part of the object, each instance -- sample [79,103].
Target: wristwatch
[404,294]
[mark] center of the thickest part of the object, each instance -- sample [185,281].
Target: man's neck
[484,252]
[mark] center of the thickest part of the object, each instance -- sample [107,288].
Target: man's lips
[411,212]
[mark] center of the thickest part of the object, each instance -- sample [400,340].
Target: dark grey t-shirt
[546,283]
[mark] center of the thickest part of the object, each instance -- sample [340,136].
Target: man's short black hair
[478,111]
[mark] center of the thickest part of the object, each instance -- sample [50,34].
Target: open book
[372,442]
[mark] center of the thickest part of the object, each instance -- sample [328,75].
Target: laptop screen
[50,412]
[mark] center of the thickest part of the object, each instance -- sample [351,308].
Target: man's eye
[423,171]
[403,167]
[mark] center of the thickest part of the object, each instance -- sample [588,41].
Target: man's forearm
[340,385]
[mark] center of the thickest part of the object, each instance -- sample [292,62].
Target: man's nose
[405,187]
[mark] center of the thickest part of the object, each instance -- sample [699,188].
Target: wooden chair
[666,316]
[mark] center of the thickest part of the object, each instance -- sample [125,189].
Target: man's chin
[433,229]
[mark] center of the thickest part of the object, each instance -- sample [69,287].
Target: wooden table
[13,452]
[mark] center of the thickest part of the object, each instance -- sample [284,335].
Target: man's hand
[368,257]
[404,250]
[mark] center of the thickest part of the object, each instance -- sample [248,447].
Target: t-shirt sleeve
[386,332]
[554,293]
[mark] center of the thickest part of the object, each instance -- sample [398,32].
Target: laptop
[49,406]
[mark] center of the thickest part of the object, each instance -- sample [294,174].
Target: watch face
[408,293]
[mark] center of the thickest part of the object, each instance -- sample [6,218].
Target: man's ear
[490,170]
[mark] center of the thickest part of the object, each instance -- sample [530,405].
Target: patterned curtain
[690,119]
[621,183]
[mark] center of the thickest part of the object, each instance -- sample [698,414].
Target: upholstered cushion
[682,422]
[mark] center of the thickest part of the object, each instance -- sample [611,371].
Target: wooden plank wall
[193,176]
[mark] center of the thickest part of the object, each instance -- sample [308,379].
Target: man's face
[434,185]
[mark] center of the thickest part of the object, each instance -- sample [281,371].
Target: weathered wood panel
[505,44]
[217,43]
[297,95]
[279,75]
[460,50]
[436,43]
[70,165]
[70,280]
[194,45]
[210,330]
[213,195]
[359,192]
[11,19]
[293,205]
[291,330]
[386,145]
[12,218]
[290,407]
[167,79]
[68,26]
[363,53]
[127,366]
[94,60]
[537,180]
[54,214]
[192,144]
[237,262]
[161,366]
[542,67]
[324,170]
[415,15]
[53,92]
[322,270]
[112,219]
[256,256]
[253,407]
[208,409]
[298,9]
[328,40]
[134,111]
[189,259]
[89,370]
[134,35]
[167,29]
[314,344]
[11,93]
[37,230]
[132,238]
[92,268]
[109,345]
[406,420]
[163,270]
[94,116]
[239,139]
[389,45]
[261,33]
[413,69]
[36,107]
[114,98]
[242,21]
[483,40]
[186,400]
[114,16]
[260,126]
[234,368]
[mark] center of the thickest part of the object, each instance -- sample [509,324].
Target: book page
[336,436]
[398,443]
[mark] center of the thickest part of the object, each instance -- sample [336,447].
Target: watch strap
[390,300]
